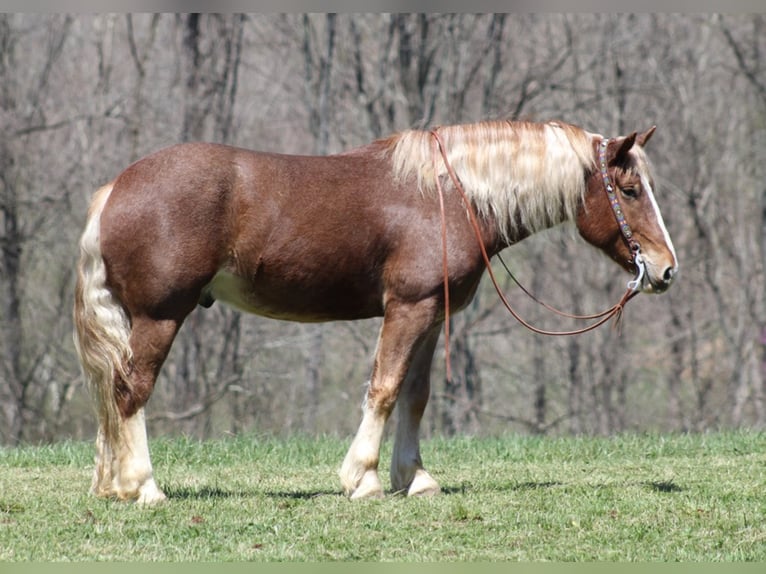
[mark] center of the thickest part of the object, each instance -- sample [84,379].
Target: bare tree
[205,368]
[748,47]
[81,96]
[23,215]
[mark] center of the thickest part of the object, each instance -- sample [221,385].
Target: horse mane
[526,175]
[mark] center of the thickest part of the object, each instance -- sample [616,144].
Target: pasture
[627,498]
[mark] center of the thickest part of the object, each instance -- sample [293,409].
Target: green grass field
[629,498]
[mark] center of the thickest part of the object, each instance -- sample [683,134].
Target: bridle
[619,215]
[633,287]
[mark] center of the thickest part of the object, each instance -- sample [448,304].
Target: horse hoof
[150,495]
[423,485]
[369,487]
[147,494]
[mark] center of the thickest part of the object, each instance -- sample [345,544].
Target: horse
[347,236]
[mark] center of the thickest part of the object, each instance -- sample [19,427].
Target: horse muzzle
[652,277]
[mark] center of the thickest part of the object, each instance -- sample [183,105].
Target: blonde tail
[102,328]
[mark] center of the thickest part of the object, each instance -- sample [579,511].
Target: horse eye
[630,192]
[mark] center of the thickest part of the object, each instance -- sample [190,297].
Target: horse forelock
[521,173]
[640,165]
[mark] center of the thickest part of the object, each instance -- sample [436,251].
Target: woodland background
[82,96]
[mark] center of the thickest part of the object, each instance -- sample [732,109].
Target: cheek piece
[619,215]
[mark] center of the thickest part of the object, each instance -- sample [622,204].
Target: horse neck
[534,181]
[526,214]
[524,177]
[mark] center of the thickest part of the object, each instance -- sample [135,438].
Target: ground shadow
[212,492]
[663,486]
[202,492]
[535,485]
[667,486]
[302,494]
[510,486]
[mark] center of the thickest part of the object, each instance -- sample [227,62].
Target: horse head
[620,215]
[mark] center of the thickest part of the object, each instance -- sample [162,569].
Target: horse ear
[623,146]
[646,136]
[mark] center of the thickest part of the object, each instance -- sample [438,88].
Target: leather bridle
[627,233]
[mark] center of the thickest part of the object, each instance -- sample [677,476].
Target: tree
[204,370]
[82,96]
[24,215]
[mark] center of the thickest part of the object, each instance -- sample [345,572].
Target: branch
[532,425]
[750,74]
[50,127]
[139,60]
[201,407]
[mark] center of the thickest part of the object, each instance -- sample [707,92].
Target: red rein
[603,317]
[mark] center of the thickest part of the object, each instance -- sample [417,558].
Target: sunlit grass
[648,498]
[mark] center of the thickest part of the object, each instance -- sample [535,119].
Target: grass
[627,498]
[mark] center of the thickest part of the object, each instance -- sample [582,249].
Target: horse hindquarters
[105,343]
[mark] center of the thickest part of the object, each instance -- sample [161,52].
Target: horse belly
[290,302]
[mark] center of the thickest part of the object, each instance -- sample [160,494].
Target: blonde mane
[523,174]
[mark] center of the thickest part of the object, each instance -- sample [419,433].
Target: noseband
[627,233]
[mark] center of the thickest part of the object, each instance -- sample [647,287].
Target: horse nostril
[668,275]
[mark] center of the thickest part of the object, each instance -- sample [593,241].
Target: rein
[603,317]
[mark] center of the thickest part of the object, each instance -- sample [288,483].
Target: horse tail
[102,327]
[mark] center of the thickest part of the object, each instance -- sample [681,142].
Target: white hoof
[423,485]
[149,494]
[368,487]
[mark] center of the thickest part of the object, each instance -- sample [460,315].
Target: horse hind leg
[120,371]
[121,380]
[407,472]
[124,468]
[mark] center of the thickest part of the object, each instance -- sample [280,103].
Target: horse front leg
[405,327]
[407,472]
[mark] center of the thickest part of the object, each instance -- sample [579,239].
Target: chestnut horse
[340,237]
